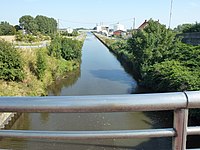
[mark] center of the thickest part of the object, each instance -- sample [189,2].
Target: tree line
[42,24]
[6,29]
[188,28]
[30,25]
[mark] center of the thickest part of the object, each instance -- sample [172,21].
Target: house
[103,29]
[143,25]
[119,33]
[68,30]
[119,26]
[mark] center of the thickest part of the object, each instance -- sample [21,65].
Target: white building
[102,29]
[69,30]
[119,26]
[98,28]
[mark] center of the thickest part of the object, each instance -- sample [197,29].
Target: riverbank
[32,85]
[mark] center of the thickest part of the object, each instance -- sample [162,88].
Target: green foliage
[11,64]
[46,25]
[187,28]
[40,24]
[74,33]
[152,45]
[28,23]
[194,28]
[29,38]
[41,64]
[71,49]
[164,63]
[55,47]
[65,48]
[171,76]
[183,28]
[6,29]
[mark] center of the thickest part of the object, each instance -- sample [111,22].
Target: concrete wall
[7,119]
[191,38]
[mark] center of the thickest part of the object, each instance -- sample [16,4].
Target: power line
[93,23]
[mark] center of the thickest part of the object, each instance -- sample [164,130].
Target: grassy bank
[31,85]
[40,67]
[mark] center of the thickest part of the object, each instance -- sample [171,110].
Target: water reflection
[112,75]
[69,80]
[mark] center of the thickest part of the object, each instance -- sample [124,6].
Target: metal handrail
[106,103]
[180,102]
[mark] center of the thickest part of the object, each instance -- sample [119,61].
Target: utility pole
[133,23]
[170,15]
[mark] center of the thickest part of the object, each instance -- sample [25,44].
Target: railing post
[180,126]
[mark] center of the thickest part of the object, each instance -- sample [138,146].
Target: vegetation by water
[164,63]
[30,71]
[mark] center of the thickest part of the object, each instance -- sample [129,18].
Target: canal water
[100,74]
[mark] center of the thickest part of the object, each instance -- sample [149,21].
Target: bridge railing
[179,102]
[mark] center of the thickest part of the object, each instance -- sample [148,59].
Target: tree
[11,64]
[183,28]
[6,29]
[46,25]
[17,28]
[55,47]
[71,49]
[152,45]
[28,23]
[41,64]
[187,28]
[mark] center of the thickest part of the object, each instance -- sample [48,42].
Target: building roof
[143,25]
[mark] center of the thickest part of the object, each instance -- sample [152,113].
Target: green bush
[65,48]
[172,76]
[54,48]
[41,64]
[71,49]
[11,65]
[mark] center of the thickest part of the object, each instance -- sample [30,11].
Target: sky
[88,13]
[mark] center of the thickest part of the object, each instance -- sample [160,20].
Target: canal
[100,74]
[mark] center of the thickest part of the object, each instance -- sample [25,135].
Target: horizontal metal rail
[179,102]
[85,135]
[114,103]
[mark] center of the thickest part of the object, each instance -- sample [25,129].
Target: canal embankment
[40,69]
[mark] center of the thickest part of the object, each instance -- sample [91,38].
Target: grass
[9,38]
[31,85]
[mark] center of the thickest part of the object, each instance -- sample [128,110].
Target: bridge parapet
[179,102]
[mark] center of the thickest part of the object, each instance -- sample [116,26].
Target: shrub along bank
[28,72]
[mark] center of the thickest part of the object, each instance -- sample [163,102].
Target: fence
[179,102]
